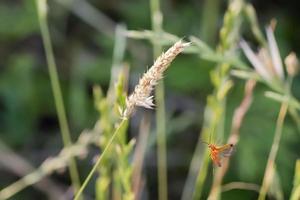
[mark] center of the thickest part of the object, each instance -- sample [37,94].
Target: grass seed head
[141,95]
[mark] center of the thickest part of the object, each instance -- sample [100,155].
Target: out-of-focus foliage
[28,120]
[18,19]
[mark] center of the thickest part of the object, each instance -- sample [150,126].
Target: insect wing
[226,150]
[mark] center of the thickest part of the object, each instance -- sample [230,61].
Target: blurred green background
[28,122]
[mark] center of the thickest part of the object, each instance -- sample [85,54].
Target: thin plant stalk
[62,118]
[229,35]
[161,143]
[50,165]
[108,171]
[237,121]
[240,186]
[139,156]
[273,153]
[216,130]
[156,18]
[98,162]
[90,15]
[13,162]
[295,194]
[213,125]
[292,110]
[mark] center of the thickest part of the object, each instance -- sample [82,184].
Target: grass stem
[273,153]
[156,18]
[62,118]
[98,162]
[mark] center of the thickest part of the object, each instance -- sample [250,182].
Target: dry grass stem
[238,118]
[240,186]
[141,95]
[52,164]
[139,155]
[16,164]
[268,177]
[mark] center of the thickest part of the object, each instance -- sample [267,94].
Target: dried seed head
[292,64]
[141,95]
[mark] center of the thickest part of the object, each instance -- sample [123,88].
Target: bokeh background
[83,47]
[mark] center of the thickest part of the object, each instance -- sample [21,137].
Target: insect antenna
[204,142]
[210,138]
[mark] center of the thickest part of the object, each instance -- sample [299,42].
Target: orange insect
[218,152]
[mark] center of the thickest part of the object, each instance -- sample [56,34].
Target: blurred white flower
[267,62]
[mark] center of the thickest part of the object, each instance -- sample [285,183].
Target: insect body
[218,152]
